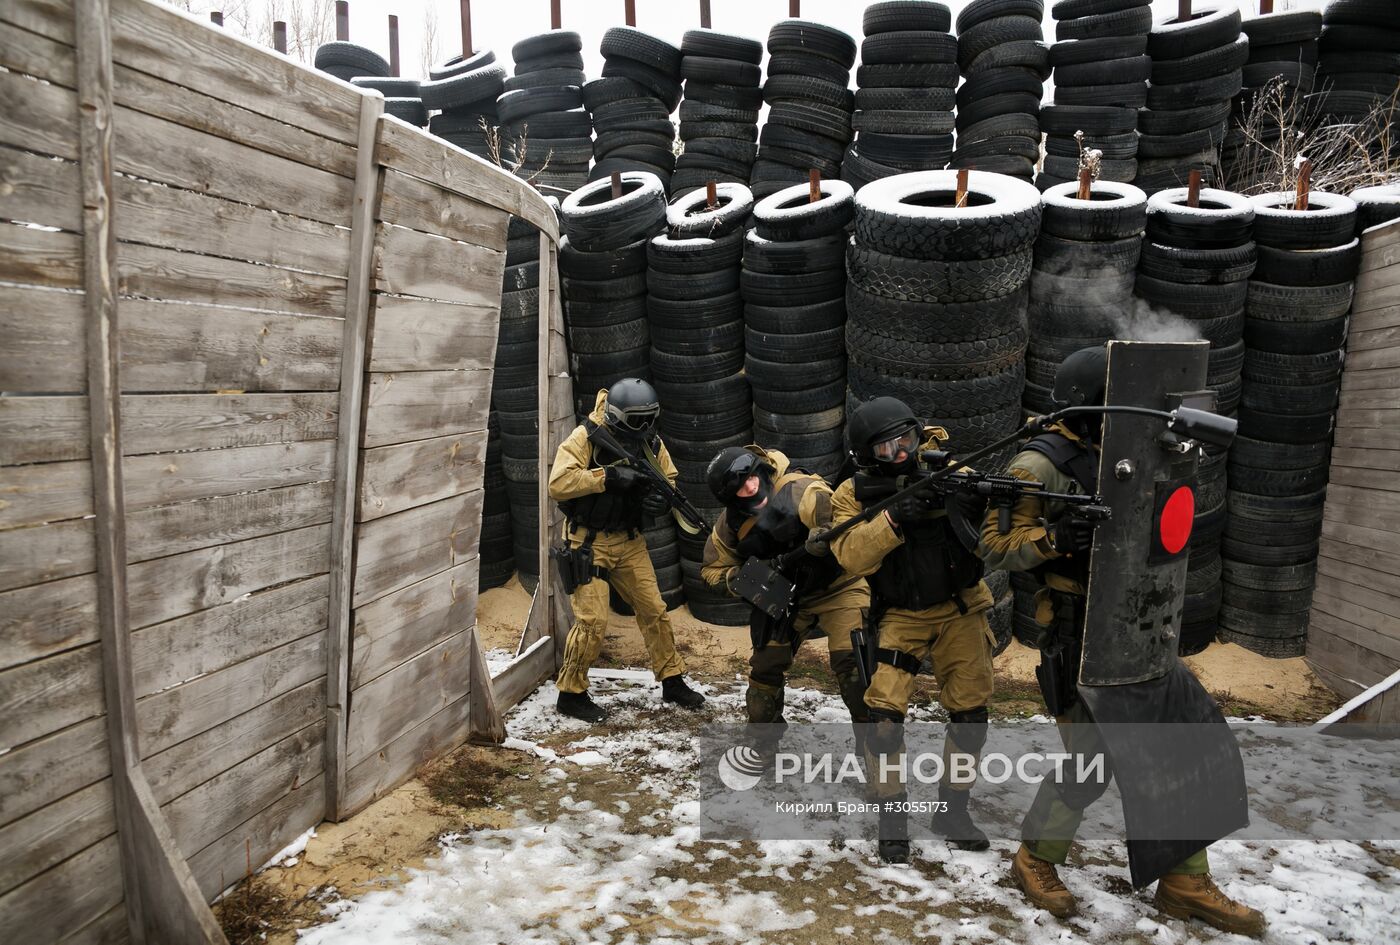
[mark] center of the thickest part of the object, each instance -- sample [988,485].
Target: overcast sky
[499,24]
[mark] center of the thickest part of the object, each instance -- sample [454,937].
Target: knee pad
[968,729]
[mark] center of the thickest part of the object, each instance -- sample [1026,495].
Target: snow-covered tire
[689,216]
[789,216]
[594,221]
[1114,211]
[921,280]
[912,215]
[1330,220]
[1211,25]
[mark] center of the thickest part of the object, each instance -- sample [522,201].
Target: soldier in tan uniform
[772,510]
[1048,541]
[604,505]
[929,602]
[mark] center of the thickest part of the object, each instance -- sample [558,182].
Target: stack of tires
[809,113]
[464,93]
[904,99]
[1359,63]
[542,121]
[1100,72]
[937,299]
[603,264]
[1196,72]
[1005,65]
[697,335]
[1195,266]
[345,61]
[1283,50]
[719,115]
[497,550]
[402,97]
[640,89]
[794,287]
[515,393]
[1081,285]
[1376,205]
[1295,326]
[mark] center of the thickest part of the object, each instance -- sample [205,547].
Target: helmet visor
[888,450]
[636,419]
[739,471]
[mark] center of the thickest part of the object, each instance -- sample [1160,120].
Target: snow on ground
[610,852]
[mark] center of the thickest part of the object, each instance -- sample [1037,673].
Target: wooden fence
[249,331]
[1354,636]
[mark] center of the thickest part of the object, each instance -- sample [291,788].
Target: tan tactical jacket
[571,477]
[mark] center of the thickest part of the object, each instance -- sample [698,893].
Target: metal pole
[1193,189]
[393,45]
[629,14]
[279,36]
[1183,10]
[216,17]
[794,8]
[556,16]
[342,20]
[466,28]
[705,14]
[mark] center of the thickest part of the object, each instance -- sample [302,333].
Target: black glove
[816,545]
[1072,535]
[623,478]
[909,509]
[654,503]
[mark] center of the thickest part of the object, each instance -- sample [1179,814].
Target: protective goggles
[637,419]
[739,471]
[888,450]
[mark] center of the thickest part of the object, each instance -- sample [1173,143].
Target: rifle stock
[686,514]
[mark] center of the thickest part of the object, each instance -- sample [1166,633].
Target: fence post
[279,36]
[705,18]
[393,45]
[342,20]
[368,185]
[466,28]
[163,902]
[216,17]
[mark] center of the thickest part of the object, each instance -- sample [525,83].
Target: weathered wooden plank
[1346,667]
[1371,296]
[417,405]
[1356,605]
[1380,582]
[110,928]
[429,335]
[179,346]
[87,885]
[43,696]
[1375,280]
[408,262]
[1367,438]
[1362,458]
[410,151]
[173,715]
[1359,515]
[209,641]
[394,763]
[167,588]
[40,190]
[184,766]
[47,618]
[1380,248]
[412,203]
[391,704]
[48,837]
[46,429]
[1387,317]
[38,116]
[1372,499]
[1385,649]
[45,553]
[44,347]
[399,626]
[1368,399]
[524,673]
[1365,339]
[179,50]
[1380,379]
[1360,417]
[483,718]
[56,765]
[1361,536]
[1384,480]
[220,804]
[222,863]
[395,478]
[156,273]
[40,257]
[48,492]
[398,550]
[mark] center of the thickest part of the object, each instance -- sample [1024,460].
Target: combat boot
[1041,884]
[955,824]
[674,689]
[577,705]
[894,830]
[1188,896]
[763,703]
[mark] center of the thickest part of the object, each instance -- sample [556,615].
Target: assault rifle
[687,515]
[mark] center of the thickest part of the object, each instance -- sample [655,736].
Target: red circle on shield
[1177,516]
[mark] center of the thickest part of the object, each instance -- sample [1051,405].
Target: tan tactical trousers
[629,570]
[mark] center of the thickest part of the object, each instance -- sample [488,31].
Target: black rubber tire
[351,57]
[603,265]
[905,15]
[1004,104]
[1285,427]
[900,357]
[1191,301]
[663,85]
[626,42]
[706,42]
[712,69]
[688,216]
[762,288]
[1291,27]
[1184,120]
[1309,267]
[1187,94]
[917,280]
[1167,146]
[1219,214]
[942,397]
[1211,24]
[1091,119]
[987,34]
[806,64]
[1073,52]
[545,78]
[459,90]
[908,46]
[780,88]
[689,255]
[795,319]
[1217,60]
[794,257]
[1105,72]
[1113,212]
[811,399]
[795,349]
[1134,21]
[772,375]
[594,221]
[832,418]
[895,216]
[790,215]
[1329,221]
[517,107]
[1200,266]
[805,36]
[979,11]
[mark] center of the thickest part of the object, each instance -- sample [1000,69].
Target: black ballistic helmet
[876,421]
[1081,378]
[632,407]
[728,471]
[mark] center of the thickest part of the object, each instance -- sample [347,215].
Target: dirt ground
[463,791]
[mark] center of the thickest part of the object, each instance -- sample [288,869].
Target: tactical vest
[1082,466]
[614,509]
[930,568]
[776,530]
